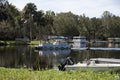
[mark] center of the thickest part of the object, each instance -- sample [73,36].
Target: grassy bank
[22,42]
[26,74]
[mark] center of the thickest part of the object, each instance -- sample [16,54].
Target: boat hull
[96,67]
[51,48]
[55,46]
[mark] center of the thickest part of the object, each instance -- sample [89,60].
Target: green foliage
[33,23]
[27,74]
[29,9]
[66,24]
[35,42]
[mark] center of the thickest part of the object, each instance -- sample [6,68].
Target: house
[79,42]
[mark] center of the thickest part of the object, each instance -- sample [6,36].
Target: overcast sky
[91,8]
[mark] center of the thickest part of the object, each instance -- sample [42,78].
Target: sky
[91,8]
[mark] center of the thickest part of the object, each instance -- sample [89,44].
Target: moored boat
[93,67]
[106,60]
[89,65]
[53,46]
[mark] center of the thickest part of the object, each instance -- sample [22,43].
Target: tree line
[35,24]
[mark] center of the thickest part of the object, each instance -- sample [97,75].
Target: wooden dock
[92,48]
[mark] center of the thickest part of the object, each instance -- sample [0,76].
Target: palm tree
[29,12]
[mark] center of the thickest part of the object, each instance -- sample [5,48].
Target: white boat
[53,46]
[90,65]
[106,60]
[93,67]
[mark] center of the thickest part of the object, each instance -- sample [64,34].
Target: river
[28,57]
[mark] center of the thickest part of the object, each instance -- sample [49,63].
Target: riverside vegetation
[35,42]
[35,23]
[27,74]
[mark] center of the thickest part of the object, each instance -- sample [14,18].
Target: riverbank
[27,74]
[35,42]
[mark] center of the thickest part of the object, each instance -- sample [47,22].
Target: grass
[34,42]
[26,74]
[23,42]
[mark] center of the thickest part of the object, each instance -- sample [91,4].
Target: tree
[3,3]
[39,18]
[66,24]
[85,26]
[106,22]
[96,27]
[49,19]
[7,21]
[115,26]
[28,15]
[39,22]
[32,23]
[29,10]
[3,11]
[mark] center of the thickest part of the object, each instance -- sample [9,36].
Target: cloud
[92,8]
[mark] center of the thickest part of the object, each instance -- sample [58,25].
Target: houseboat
[53,46]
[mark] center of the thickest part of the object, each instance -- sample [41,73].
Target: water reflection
[50,58]
[14,56]
[26,56]
[82,55]
[53,52]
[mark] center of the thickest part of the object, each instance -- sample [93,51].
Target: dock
[92,48]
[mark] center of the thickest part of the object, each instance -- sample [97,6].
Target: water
[26,56]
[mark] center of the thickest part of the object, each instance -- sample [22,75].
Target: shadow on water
[14,56]
[50,58]
[81,55]
[26,56]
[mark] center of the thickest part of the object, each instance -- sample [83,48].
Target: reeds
[27,74]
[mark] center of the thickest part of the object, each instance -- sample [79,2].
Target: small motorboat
[93,67]
[53,46]
[106,60]
[90,65]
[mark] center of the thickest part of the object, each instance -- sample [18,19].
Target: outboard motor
[68,61]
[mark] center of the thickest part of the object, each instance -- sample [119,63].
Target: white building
[79,42]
